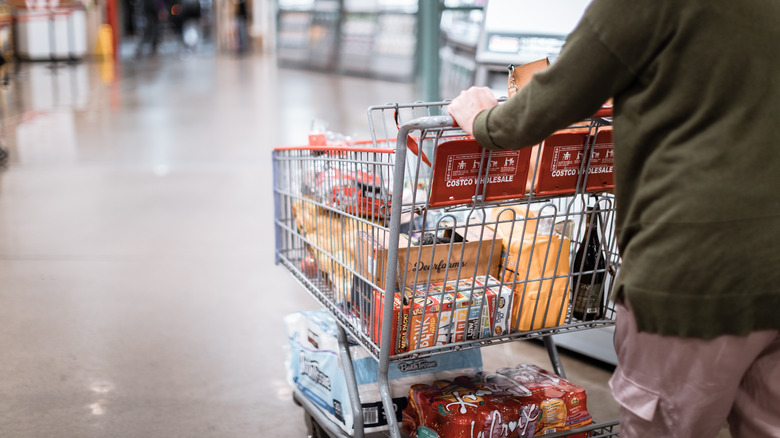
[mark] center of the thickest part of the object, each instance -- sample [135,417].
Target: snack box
[457,310]
[444,312]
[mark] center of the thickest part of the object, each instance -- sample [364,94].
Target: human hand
[468,104]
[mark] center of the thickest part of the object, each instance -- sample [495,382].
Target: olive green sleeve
[583,78]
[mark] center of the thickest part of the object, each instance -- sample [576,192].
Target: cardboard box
[562,156]
[443,313]
[558,170]
[479,255]
[460,310]
[401,314]
[462,168]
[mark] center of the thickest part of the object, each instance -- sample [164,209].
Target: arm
[584,77]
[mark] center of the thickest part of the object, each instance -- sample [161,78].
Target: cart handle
[433,122]
[419,124]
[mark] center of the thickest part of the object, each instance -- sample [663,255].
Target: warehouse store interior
[140,294]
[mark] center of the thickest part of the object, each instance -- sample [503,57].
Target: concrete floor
[139,294]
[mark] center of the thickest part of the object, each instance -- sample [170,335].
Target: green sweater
[696,87]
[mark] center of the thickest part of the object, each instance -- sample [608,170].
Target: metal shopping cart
[419,242]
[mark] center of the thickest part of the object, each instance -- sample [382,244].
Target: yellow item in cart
[535,264]
[333,244]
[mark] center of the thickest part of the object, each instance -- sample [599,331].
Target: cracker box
[457,310]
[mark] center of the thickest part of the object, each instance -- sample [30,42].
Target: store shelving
[371,38]
[460,29]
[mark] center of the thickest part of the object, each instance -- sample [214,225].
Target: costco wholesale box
[558,170]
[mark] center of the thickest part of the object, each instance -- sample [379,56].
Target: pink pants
[686,387]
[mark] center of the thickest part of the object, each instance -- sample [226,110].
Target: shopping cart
[449,247]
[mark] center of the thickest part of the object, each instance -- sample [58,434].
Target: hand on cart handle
[468,104]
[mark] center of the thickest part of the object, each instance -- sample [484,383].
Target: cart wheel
[313,429]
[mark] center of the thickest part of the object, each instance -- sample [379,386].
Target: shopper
[696,88]
[242,19]
[155,11]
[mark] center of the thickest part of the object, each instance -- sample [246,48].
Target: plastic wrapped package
[522,402]
[314,368]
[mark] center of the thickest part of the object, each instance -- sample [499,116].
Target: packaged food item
[466,407]
[374,322]
[332,235]
[524,401]
[457,310]
[440,313]
[563,405]
[420,261]
[535,263]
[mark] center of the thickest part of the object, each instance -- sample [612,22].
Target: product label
[588,298]
[439,266]
[311,369]
[566,160]
[463,169]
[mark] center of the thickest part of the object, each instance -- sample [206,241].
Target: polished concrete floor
[138,291]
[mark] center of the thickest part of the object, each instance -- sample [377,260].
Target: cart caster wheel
[313,429]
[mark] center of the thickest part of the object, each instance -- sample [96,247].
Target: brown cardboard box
[480,254]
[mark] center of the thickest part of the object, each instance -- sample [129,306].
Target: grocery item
[421,260]
[314,368]
[587,282]
[563,404]
[457,310]
[332,241]
[443,313]
[524,401]
[535,263]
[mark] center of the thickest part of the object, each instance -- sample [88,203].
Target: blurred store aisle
[139,296]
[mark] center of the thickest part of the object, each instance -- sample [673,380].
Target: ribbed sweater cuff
[481,132]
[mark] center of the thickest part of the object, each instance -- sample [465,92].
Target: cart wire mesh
[420,242]
[472,272]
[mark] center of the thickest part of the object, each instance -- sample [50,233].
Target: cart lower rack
[450,247]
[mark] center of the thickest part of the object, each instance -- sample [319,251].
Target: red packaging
[562,155]
[456,311]
[401,314]
[439,313]
[466,408]
[564,405]
[521,402]
[463,169]
[424,322]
